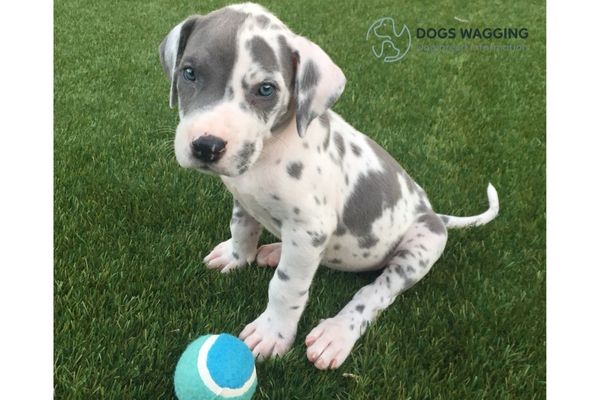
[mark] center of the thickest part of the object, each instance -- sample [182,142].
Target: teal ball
[215,367]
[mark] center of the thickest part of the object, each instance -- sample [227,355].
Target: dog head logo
[387,42]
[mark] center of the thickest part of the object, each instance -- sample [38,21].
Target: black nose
[208,148]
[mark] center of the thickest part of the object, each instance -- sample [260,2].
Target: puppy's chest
[262,200]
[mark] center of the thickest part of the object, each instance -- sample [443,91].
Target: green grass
[130,292]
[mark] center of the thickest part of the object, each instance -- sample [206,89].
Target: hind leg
[330,342]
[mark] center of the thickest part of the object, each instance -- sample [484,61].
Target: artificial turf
[130,291]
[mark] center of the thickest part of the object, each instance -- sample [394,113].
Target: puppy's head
[239,76]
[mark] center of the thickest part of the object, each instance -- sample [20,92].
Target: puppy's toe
[224,258]
[330,343]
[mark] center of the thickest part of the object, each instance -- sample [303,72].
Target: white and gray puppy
[254,101]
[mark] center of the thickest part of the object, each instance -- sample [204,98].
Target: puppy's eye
[266,90]
[188,74]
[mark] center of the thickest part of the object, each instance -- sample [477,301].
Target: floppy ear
[171,49]
[318,82]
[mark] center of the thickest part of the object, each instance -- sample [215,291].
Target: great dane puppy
[254,103]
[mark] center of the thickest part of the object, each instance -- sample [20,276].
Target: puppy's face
[239,77]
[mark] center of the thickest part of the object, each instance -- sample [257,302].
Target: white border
[572,197]
[26,201]
[26,168]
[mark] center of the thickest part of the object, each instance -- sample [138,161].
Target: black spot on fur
[317,238]
[339,144]
[355,149]
[282,275]
[294,169]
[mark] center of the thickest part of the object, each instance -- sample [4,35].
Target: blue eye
[188,74]
[266,90]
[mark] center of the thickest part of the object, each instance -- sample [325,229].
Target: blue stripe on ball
[230,351]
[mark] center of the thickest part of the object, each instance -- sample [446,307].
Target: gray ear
[171,49]
[318,83]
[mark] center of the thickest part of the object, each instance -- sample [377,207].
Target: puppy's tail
[476,220]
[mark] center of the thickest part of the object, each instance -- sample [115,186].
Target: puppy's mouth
[216,169]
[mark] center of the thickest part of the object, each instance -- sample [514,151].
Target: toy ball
[215,367]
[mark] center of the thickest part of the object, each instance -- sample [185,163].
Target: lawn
[130,291]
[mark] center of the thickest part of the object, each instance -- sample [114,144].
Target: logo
[386,42]
[391,44]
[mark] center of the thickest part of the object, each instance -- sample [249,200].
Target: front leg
[274,331]
[241,248]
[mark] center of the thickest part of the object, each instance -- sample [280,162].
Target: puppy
[254,103]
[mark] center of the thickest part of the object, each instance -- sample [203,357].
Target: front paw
[329,344]
[269,336]
[225,258]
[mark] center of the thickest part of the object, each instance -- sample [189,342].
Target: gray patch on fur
[310,77]
[286,65]
[209,38]
[317,238]
[243,156]
[282,275]
[262,20]
[306,84]
[339,144]
[433,223]
[263,54]
[340,229]
[367,241]
[380,190]
[294,169]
